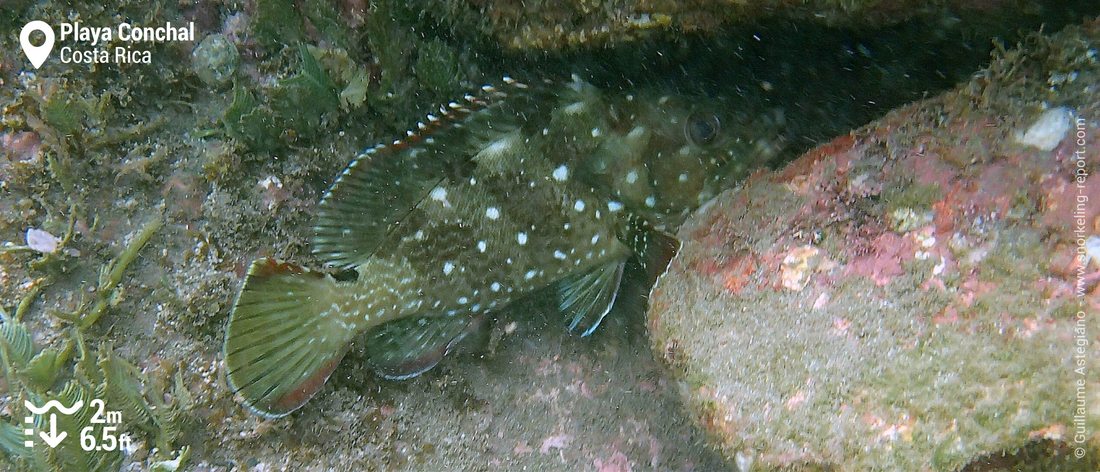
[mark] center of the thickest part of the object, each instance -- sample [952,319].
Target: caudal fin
[286,334]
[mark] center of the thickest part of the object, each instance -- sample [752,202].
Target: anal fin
[405,348]
[587,298]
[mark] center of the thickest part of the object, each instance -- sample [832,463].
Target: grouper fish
[517,189]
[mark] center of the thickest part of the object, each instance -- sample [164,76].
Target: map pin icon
[37,54]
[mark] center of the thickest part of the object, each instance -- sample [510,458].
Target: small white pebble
[1048,130]
[42,241]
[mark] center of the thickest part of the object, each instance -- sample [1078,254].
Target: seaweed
[94,375]
[277,23]
[247,123]
[436,67]
[327,20]
[296,104]
[299,102]
[110,276]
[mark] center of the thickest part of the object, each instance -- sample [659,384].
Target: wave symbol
[54,404]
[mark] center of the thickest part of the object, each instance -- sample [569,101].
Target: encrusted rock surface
[552,25]
[908,296]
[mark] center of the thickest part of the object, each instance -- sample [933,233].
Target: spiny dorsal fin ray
[382,185]
[408,347]
[587,298]
[284,337]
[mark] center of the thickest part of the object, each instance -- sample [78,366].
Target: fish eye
[702,128]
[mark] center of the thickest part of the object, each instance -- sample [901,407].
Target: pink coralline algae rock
[910,296]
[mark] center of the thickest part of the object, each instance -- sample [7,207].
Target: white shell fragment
[1048,130]
[42,241]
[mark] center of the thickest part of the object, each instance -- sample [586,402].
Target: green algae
[84,374]
[911,195]
[277,23]
[299,102]
[436,67]
[327,19]
[246,123]
[295,105]
[32,377]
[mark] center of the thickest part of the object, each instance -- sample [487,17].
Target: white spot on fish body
[492,213]
[595,238]
[439,194]
[495,287]
[574,108]
[579,205]
[631,176]
[481,246]
[529,275]
[463,300]
[559,255]
[498,147]
[561,173]
[650,201]
[596,132]
[521,238]
[683,177]
[448,267]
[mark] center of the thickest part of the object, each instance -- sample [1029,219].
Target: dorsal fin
[384,184]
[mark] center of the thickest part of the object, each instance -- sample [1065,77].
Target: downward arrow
[53,439]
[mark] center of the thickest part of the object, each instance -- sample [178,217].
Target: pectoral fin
[587,298]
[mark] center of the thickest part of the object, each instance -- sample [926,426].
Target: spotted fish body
[514,190]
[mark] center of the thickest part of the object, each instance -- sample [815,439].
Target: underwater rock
[215,60]
[813,324]
[563,25]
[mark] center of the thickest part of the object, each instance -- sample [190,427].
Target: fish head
[667,154]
